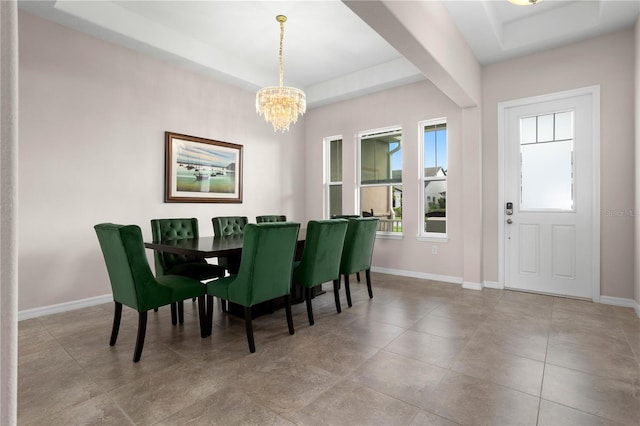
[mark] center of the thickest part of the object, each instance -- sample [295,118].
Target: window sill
[433,239]
[389,235]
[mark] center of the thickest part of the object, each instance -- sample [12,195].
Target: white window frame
[422,234]
[359,186]
[328,183]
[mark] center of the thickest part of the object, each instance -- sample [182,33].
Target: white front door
[549,183]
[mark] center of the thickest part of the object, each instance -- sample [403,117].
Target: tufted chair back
[168,230]
[224,226]
[271,218]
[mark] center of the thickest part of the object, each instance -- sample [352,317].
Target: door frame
[594,92]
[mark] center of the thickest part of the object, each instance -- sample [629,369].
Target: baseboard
[620,301]
[421,275]
[64,307]
[471,285]
[493,284]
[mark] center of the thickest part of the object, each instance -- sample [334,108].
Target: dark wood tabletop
[206,246]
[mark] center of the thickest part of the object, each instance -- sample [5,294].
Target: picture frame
[199,170]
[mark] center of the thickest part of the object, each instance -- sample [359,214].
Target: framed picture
[202,170]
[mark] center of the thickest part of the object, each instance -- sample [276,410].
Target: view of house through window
[381,177]
[434,166]
[333,191]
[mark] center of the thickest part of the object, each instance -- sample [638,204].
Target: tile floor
[418,353]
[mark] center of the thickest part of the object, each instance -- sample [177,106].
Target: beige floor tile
[49,382]
[158,395]
[487,363]
[424,418]
[399,377]
[227,406]
[100,410]
[375,363]
[599,360]
[440,351]
[348,403]
[470,401]
[284,385]
[455,328]
[608,398]
[510,340]
[552,414]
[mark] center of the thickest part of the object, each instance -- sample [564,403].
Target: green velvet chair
[134,285]
[226,226]
[320,261]
[357,251]
[176,264]
[271,218]
[265,272]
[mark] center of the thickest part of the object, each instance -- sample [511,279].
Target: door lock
[509,209]
[509,221]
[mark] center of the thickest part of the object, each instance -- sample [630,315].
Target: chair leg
[307,292]
[181,312]
[249,326]
[142,330]
[287,305]
[358,276]
[336,294]
[209,314]
[225,305]
[174,315]
[347,290]
[368,275]
[204,322]
[117,314]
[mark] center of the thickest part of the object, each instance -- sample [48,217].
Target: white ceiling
[328,50]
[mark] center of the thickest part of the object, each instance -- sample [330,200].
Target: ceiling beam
[424,33]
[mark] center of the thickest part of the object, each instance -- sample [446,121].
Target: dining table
[215,246]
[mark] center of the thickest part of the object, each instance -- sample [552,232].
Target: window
[333,191]
[381,177]
[434,178]
[546,156]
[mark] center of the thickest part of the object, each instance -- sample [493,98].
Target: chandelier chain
[281,63]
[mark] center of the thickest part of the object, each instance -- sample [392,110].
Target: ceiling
[328,50]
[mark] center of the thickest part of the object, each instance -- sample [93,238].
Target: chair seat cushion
[197,270]
[220,288]
[182,287]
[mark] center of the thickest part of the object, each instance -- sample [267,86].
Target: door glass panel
[545,128]
[564,125]
[547,176]
[546,162]
[528,130]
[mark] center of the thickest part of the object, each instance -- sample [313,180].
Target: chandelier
[281,105]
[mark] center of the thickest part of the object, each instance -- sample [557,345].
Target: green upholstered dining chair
[320,261]
[357,251]
[271,218]
[134,285]
[265,272]
[225,226]
[177,264]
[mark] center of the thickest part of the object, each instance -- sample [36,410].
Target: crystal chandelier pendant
[281,105]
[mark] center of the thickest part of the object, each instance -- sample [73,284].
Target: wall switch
[434,249]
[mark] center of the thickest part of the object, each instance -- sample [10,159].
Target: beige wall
[607,61]
[404,106]
[92,123]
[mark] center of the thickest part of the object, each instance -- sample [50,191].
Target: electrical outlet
[434,249]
